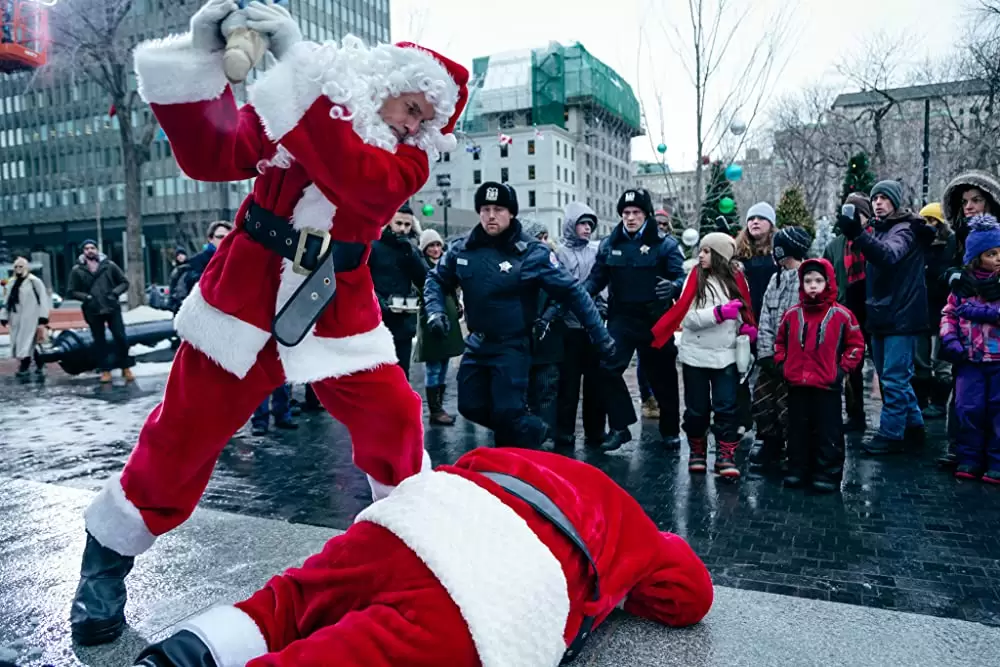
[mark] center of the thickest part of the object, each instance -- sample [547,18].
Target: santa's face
[404,114]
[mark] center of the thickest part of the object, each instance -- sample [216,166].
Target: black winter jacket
[98,291]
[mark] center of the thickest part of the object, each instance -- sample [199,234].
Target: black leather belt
[548,509]
[313,254]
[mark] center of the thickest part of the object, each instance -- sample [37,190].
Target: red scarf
[665,327]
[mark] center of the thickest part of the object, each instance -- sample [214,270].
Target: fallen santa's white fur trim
[229,633]
[510,588]
[115,522]
[380,490]
[172,71]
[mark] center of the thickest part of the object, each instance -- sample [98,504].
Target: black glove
[183,648]
[608,351]
[851,227]
[541,329]
[438,324]
[665,290]
[3,323]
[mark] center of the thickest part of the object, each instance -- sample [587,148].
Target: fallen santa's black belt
[548,509]
[314,255]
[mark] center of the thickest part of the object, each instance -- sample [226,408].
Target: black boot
[768,454]
[940,393]
[183,649]
[98,612]
[616,439]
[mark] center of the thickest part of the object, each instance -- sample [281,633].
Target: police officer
[644,272]
[500,270]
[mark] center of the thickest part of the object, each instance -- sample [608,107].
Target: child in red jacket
[818,343]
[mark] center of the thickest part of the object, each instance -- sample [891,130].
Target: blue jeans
[894,363]
[277,404]
[435,373]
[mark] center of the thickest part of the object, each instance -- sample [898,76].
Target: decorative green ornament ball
[427,210]
[726,205]
[662,148]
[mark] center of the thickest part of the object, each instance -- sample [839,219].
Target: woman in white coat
[26,311]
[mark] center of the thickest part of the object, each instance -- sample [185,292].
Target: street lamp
[444,182]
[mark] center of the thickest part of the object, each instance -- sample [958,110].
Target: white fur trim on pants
[228,341]
[510,588]
[380,490]
[172,71]
[317,358]
[283,94]
[230,634]
[115,522]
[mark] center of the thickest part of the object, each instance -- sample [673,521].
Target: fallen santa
[508,558]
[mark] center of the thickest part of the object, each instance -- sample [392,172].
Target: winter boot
[183,649]
[725,463]
[435,403]
[968,472]
[128,375]
[98,612]
[616,439]
[880,445]
[106,377]
[698,458]
[768,454]
[992,477]
[650,409]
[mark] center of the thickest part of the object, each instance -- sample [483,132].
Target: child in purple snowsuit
[970,338]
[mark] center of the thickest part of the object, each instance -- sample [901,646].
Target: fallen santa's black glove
[183,649]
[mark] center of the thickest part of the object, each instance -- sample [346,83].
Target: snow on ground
[150,369]
[146,314]
[139,350]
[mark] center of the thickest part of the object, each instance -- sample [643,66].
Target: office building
[554,122]
[61,175]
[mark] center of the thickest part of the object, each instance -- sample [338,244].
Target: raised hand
[206,25]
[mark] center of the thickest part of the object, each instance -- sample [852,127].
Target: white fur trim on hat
[510,588]
[233,638]
[172,71]
[357,80]
[115,522]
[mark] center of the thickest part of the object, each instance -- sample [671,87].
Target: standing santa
[338,137]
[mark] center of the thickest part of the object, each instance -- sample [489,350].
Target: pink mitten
[730,311]
[749,330]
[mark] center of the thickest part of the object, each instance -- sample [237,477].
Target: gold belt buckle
[304,235]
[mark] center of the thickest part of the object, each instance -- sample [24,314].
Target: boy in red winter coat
[819,342]
[461,567]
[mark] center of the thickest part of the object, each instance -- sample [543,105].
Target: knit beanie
[533,228]
[984,234]
[724,244]
[791,242]
[87,242]
[637,197]
[932,211]
[862,204]
[427,237]
[761,210]
[497,194]
[891,189]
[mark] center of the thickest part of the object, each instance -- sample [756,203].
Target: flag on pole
[539,135]
[505,140]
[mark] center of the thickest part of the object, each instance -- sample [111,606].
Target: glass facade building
[61,174]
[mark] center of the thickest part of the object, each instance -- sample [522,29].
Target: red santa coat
[452,570]
[312,137]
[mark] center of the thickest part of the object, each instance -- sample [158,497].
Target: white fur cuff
[230,634]
[227,340]
[282,95]
[172,71]
[116,523]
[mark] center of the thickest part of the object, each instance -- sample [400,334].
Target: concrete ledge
[220,557]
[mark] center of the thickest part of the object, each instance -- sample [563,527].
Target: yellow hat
[933,210]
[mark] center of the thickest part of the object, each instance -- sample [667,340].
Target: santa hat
[443,81]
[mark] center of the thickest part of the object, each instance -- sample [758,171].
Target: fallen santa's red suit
[508,558]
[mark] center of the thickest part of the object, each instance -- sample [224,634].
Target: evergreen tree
[792,211]
[859,178]
[824,234]
[718,188]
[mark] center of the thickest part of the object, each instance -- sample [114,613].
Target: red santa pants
[366,600]
[204,405]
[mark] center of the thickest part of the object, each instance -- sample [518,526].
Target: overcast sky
[822,33]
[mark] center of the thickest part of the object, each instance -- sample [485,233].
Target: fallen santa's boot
[184,649]
[98,612]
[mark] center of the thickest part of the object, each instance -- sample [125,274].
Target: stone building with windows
[61,175]
[554,122]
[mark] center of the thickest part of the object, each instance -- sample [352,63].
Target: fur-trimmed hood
[952,200]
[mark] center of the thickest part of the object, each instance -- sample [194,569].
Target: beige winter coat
[33,305]
[706,343]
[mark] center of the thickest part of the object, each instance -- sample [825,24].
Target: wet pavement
[902,535]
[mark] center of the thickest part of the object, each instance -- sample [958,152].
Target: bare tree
[703,43]
[93,40]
